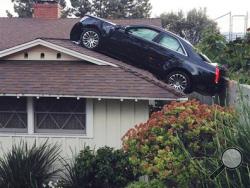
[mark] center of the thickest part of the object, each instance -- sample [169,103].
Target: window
[64,115]
[42,55]
[29,115]
[145,33]
[171,43]
[13,114]
[26,55]
[58,55]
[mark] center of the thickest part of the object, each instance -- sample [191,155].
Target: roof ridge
[51,38]
[30,18]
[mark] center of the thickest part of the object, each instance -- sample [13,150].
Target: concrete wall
[229,97]
[35,54]
[111,119]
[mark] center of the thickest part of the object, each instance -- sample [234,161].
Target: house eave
[97,97]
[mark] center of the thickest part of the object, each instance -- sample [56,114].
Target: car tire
[180,81]
[90,38]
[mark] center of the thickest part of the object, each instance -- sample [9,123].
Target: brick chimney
[46,9]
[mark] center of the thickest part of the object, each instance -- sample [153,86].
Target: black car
[168,56]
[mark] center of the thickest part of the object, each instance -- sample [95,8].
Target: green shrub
[235,55]
[151,184]
[166,146]
[25,167]
[104,168]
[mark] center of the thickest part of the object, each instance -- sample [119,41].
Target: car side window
[171,43]
[145,33]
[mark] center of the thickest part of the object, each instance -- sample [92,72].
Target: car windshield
[145,33]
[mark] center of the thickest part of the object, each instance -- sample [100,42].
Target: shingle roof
[137,71]
[72,78]
[14,31]
[76,79]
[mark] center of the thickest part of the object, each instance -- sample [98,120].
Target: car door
[139,41]
[132,43]
[166,54]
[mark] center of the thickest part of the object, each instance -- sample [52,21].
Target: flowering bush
[165,146]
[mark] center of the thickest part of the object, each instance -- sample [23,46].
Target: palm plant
[28,167]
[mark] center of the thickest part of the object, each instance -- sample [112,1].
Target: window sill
[45,135]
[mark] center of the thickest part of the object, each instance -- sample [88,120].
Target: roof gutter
[95,97]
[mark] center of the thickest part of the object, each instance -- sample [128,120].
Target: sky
[215,8]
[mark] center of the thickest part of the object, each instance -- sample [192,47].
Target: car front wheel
[180,81]
[90,39]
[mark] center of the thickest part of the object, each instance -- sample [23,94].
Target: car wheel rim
[90,39]
[178,81]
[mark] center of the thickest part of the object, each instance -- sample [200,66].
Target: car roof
[146,26]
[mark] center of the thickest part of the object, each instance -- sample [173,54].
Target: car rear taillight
[217,75]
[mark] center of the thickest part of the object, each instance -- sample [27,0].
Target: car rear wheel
[180,81]
[90,38]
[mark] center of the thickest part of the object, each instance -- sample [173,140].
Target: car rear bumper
[212,88]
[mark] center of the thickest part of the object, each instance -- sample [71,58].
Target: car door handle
[151,58]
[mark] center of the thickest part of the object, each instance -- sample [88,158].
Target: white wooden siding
[112,118]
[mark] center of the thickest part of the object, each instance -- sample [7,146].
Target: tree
[112,8]
[173,21]
[9,15]
[214,45]
[23,8]
[190,27]
[139,8]
[80,7]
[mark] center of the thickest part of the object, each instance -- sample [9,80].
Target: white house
[53,88]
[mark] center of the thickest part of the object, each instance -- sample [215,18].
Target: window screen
[60,115]
[171,43]
[13,114]
[147,34]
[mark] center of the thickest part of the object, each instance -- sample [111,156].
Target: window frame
[24,112]
[178,40]
[30,130]
[140,27]
[59,130]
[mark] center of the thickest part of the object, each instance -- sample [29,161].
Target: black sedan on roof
[168,56]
